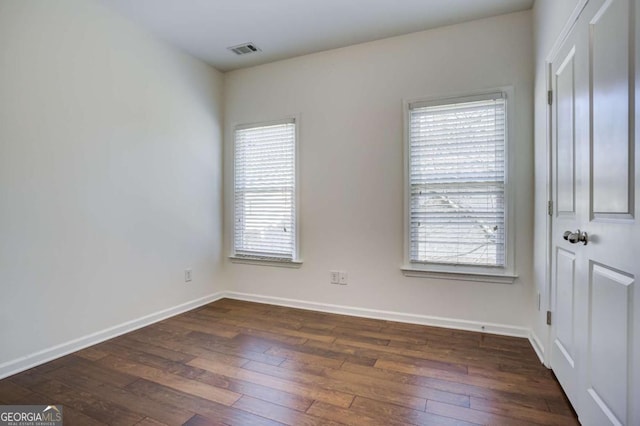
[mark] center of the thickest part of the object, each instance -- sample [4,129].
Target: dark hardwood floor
[240,363]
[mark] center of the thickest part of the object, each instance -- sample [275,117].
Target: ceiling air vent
[244,49]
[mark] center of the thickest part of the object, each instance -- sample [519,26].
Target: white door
[595,349]
[569,77]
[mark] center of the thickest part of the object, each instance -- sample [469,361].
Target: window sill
[484,277]
[266,262]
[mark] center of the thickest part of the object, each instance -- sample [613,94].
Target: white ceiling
[288,28]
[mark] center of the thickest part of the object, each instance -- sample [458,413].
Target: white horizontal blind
[265,191]
[457,182]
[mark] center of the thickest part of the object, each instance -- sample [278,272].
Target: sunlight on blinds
[265,191]
[457,182]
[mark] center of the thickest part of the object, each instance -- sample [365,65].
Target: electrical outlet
[187,275]
[335,277]
[343,278]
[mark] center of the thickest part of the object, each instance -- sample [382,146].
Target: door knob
[576,237]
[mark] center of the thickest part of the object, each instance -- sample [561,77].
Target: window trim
[296,260]
[493,274]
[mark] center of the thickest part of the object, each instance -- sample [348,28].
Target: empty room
[358,212]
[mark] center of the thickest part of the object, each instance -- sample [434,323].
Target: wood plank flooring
[240,363]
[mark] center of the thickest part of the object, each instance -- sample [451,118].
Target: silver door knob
[576,237]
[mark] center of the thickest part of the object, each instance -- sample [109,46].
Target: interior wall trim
[453,323]
[26,362]
[537,345]
[32,360]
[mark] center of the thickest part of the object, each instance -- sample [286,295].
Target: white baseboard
[501,329]
[537,345]
[29,361]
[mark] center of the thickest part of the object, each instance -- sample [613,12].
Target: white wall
[110,174]
[350,106]
[549,18]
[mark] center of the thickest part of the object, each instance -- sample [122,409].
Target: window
[265,192]
[456,166]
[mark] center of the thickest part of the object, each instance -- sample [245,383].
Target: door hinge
[550,208]
[548,317]
[550,97]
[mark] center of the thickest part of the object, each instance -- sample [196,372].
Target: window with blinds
[264,191]
[457,181]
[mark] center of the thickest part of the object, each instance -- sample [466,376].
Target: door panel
[609,30]
[565,167]
[609,324]
[563,351]
[565,277]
